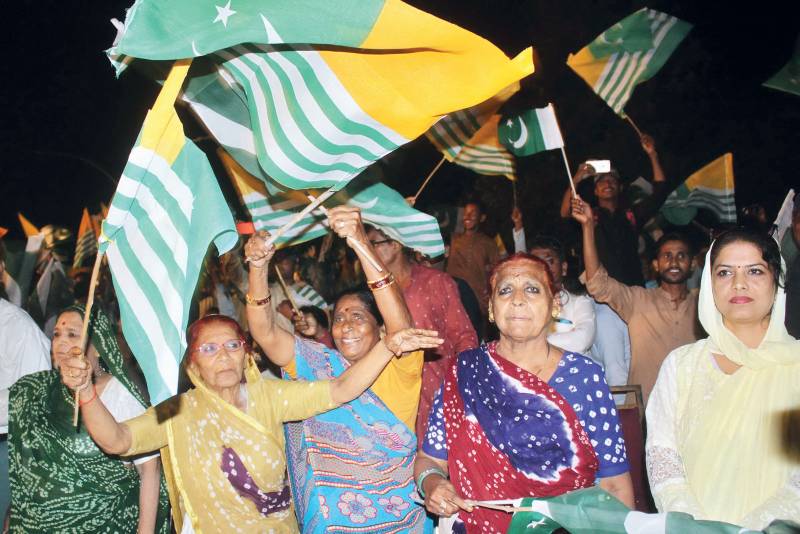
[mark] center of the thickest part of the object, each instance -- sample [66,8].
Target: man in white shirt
[575,324]
[24,349]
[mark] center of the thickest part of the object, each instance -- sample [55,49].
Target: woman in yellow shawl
[222,442]
[716,420]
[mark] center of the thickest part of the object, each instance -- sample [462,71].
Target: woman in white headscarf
[717,418]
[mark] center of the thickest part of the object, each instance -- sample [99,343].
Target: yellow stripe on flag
[162,131]
[27,226]
[587,66]
[247,184]
[716,175]
[86,224]
[440,78]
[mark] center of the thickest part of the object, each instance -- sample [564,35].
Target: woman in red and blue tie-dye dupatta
[519,417]
[351,469]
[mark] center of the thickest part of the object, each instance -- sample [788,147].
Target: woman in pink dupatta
[519,417]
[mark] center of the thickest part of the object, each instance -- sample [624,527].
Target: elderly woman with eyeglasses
[222,442]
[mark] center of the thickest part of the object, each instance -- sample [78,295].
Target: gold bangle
[381,283]
[257,302]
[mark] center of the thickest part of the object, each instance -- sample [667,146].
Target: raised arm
[647,208]
[346,222]
[277,343]
[582,212]
[581,174]
[359,376]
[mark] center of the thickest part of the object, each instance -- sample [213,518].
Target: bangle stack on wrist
[381,283]
[425,474]
[252,301]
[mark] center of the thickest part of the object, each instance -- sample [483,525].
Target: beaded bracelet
[381,283]
[425,474]
[257,302]
[82,403]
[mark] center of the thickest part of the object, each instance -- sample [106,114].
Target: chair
[631,418]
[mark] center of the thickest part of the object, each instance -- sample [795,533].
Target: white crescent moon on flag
[523,135]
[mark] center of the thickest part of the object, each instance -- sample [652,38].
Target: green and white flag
[534,131]
[628,53]
[593,511]
[319,104]
[307,294]
[167,209]
[381,206]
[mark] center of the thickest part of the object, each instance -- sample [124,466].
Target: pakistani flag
[381,206]
[86,246]
[710,188]
[167,209]
[630,52]
[788,78]
[534,131]
[296,92]
[593,511]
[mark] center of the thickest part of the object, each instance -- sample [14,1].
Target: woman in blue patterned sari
[351,469]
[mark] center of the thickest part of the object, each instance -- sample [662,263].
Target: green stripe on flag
[156,242]
[155,29]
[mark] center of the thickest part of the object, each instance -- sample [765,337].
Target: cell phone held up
[600,166]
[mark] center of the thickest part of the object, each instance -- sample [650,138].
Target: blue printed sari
[352,468]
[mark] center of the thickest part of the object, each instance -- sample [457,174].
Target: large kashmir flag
[535,130]
[628,53]
[381,206]
[711,188]
[167,209]
[310,93]
[593,511]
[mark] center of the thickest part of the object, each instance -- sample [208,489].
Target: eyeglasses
[381,242]
[210,349]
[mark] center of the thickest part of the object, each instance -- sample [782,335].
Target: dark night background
[67,124]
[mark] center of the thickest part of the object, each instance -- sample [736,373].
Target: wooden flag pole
[353,243]
[85,330]
[630,120]
[569,173]
[286,290]
[428,179]
[299,216]
[514,192]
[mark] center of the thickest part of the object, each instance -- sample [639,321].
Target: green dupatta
[60,480]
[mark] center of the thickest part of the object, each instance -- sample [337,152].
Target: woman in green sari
[60,480]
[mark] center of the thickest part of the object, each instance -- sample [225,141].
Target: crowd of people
[350,385]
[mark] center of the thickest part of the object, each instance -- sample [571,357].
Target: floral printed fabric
[351,468]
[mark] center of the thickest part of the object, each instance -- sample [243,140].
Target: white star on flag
[223,13]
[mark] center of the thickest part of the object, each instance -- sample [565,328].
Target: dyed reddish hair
[196,329]
[523,256]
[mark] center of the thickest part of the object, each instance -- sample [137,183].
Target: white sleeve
[581,337]
[24,350]
[665,469]
[519,240]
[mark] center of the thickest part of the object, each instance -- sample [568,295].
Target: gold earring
[556,312]
[491,314]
